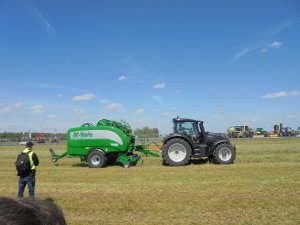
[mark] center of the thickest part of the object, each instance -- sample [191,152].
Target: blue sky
[64,63]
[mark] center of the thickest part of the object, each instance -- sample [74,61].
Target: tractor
[242,131]
[190,141]
[261,132]
[286,132]
[105,143]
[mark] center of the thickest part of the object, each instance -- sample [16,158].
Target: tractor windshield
[238,128]
[187,128]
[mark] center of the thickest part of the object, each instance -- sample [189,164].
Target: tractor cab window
[187,128]
[238,128]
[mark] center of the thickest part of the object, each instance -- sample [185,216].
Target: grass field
[262,187]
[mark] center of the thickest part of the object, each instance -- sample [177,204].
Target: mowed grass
[261,187]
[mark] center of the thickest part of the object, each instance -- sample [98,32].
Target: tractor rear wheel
[96,159]
[224,154]
[176,152]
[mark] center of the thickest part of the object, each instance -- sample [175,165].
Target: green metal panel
[109,139]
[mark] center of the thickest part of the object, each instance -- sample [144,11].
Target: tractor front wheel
[96,159]
[177,152]
[224,154]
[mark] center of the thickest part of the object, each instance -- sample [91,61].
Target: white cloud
[85,97]
[280,94]
[104,101]
[281,27]
[122,78]
[141,110]
[241,54]
[157,98]
[113,106]
[159,85]
[11,108]
[108,106]
[275,44]
[37,109]
[60,95]
[79,112]
[41,19]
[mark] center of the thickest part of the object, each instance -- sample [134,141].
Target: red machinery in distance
[41,138]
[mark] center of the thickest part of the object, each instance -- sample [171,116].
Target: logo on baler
[96,134]
[81,135]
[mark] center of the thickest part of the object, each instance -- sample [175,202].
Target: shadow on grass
[107,165]
[80,165]
[195,162]
[200,161]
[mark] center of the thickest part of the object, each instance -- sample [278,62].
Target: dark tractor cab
[287,132]
[189,140]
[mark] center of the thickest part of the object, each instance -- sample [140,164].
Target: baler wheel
[96,159]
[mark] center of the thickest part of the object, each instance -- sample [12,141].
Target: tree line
[141,133]
[19,136]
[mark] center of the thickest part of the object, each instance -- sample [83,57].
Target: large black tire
[96,159]
[164,163]
[224,154]
[177,152]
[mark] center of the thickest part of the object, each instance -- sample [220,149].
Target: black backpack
[23,164]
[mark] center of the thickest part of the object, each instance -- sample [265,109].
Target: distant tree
[10,136]
[145,133]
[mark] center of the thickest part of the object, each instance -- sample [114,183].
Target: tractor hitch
[55,156]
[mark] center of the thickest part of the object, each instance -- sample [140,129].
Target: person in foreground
[26,164]
[29,211]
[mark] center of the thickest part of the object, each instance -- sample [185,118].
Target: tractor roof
[185,120]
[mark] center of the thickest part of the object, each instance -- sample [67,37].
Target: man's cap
[29,144]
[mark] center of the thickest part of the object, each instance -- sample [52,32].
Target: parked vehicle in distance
[243,131]
[286,132]
[261,132]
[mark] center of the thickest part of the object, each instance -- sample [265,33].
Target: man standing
[27,176]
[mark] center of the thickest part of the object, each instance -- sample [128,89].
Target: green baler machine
[107,142]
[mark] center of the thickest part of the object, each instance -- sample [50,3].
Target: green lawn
[262,187]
